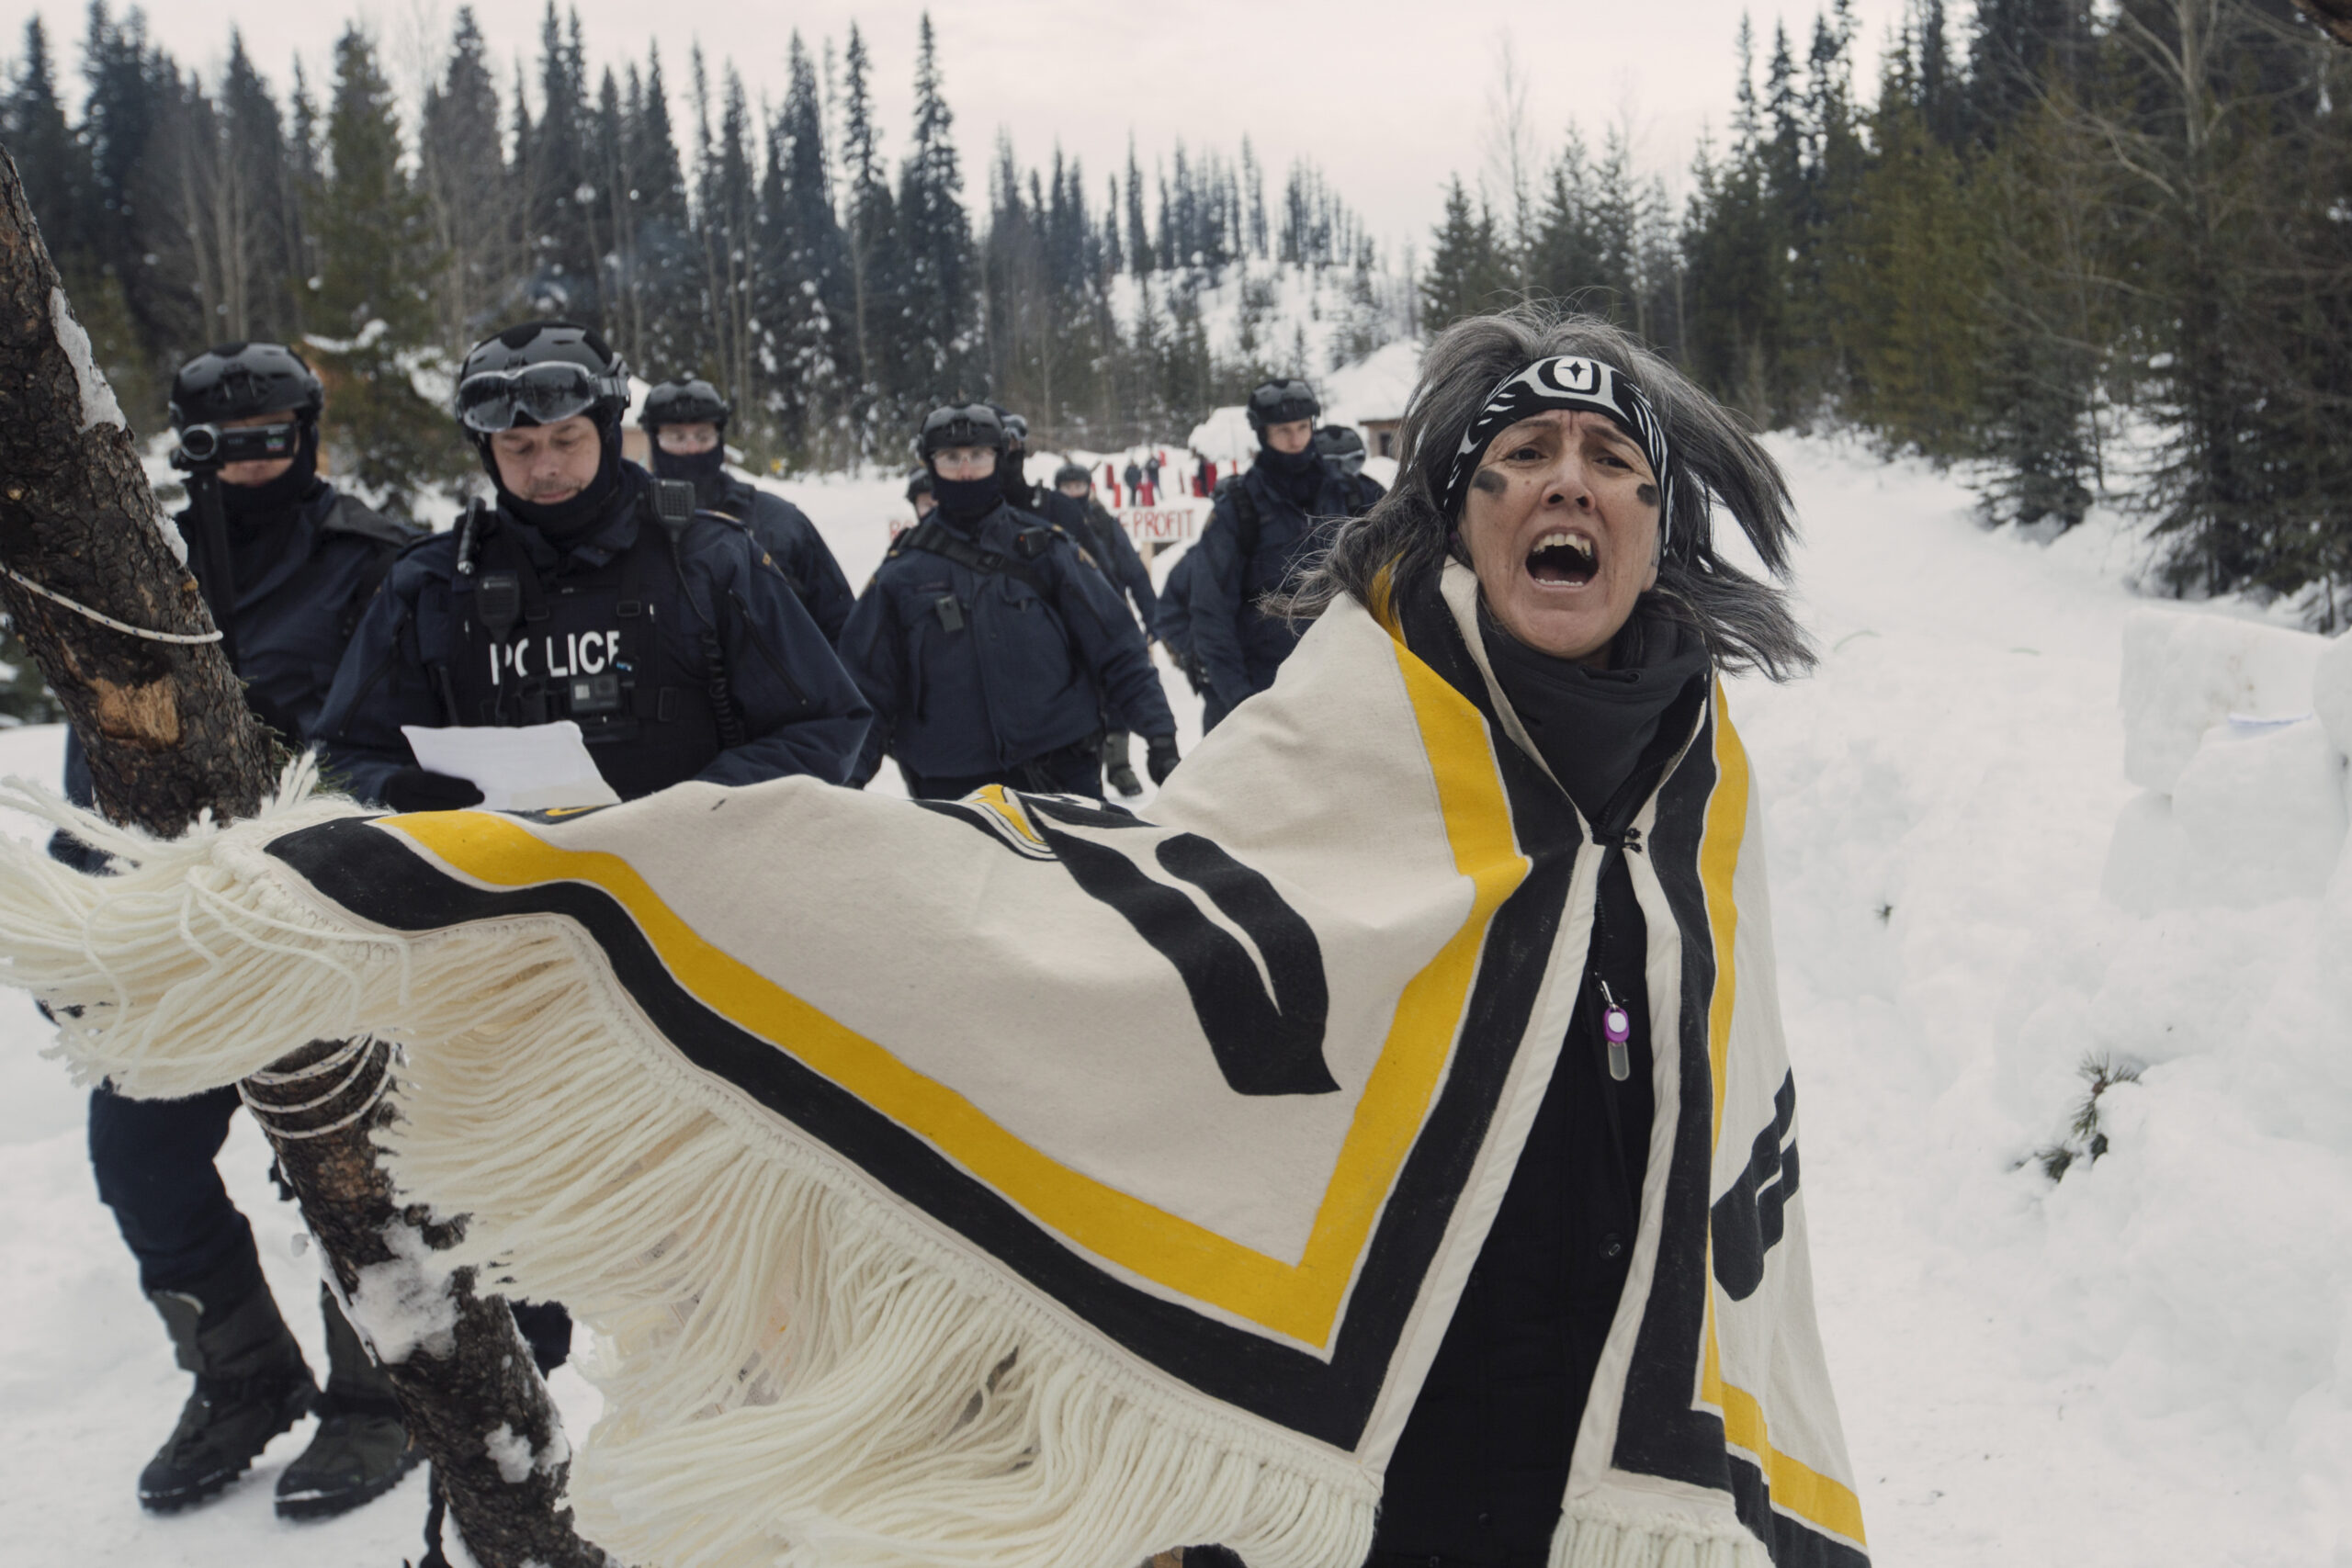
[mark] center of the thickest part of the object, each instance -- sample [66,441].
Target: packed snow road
[2145,1363]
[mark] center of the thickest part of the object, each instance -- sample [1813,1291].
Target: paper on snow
[531,767]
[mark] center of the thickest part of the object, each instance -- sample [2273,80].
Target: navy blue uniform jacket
[1005,675]
[1083,519]
[303,586]
[801,712]
[798,550]
[1240,646]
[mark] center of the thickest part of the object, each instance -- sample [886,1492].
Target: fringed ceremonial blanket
[1017,1181]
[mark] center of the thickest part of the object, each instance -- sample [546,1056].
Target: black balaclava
[566,521]
[244,505]
[703,470]
[1298,475]
[968,500]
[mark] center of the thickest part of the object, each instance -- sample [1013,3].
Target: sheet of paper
[531,767]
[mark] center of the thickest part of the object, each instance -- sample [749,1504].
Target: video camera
[210,446]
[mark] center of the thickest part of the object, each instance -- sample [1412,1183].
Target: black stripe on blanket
[364,870]
[1659,1432]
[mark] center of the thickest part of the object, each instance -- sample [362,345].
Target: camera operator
[286,565]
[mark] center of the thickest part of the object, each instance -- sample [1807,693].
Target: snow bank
[2206,1195]
[2185,672]
[1375,387]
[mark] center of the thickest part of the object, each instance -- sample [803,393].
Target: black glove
[413,789]
[1160,757]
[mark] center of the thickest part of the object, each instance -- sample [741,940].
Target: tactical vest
[588,647]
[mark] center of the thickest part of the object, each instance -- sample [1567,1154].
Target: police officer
[1019,493]
[286,566]
[1261,531]
[987,644]
[1174,622]
[1342,445]
[685,423]
[1070,506]
[586,590]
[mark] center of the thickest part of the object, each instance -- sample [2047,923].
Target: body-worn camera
[213,446]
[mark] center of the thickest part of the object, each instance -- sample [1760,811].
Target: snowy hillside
[2146,1362]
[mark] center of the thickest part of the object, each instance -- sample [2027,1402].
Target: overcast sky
[1389,96]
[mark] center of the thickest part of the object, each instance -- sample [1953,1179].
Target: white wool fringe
[1592,1536]
[799,1371]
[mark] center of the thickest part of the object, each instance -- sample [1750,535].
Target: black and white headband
[1567,382]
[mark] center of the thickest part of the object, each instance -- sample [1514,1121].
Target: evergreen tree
[939,311]
[868,223]
[373,327]
[468,190]
[1468,273]
[805,294]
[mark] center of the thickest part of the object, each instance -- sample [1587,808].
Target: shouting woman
[1385,1149]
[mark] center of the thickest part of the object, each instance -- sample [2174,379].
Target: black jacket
[792,542]
[1479,1474]
[800,712]
[1084,519]
[973,673]
[1240,646]
[304,579]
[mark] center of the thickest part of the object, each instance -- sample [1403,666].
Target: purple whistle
[1617,1027]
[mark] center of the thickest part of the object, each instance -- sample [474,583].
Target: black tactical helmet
[235,381]
[918,483]
[1342,445]
[1016,430]
[539,373]
[1070,473]
[688,399]
[974,424]
[1282,402]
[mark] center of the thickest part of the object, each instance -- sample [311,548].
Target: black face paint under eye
[1491,482]
[1646,495]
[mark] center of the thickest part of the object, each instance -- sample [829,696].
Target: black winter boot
[251,1384]
[361,1450]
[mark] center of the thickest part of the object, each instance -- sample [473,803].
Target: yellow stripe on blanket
[1301,1301]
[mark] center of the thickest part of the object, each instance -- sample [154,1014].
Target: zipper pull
[1617,1027]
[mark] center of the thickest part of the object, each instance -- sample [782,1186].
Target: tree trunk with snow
[169,736]
[2334,17]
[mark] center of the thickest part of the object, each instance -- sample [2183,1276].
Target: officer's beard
[703,470]
[967,501]
[561,522]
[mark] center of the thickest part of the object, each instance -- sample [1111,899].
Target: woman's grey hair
[1746,622]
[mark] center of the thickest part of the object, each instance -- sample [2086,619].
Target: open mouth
[1564,559]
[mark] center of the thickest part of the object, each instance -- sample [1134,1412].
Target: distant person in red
[1204,478]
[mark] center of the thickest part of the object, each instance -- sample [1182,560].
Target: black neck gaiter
[1298,475]
[1593,726]
[706,471]
[966,502]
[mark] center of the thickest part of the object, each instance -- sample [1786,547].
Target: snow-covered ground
[2145,1363]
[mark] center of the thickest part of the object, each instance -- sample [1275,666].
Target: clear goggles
[493,400]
